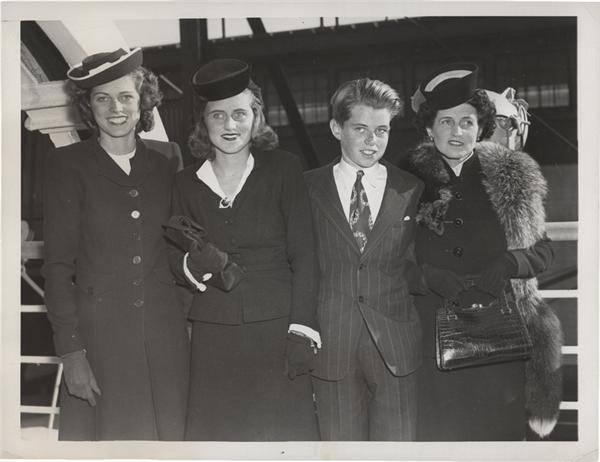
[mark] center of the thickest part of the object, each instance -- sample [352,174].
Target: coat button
[134,193]
[361,298]
[137,282]
[135,214]
[229,221]
[458,222]
[458,251]
[136,260]
[458,195]
[362,266]
[138,303]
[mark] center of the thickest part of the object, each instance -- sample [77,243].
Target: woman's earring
[430,138]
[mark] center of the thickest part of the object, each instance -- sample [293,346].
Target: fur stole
[517,191]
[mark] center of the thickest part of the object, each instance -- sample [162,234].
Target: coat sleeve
[300,242]
[175,254]
[62,214]
[534,260]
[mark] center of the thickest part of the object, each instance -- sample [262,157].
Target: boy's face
[364,136]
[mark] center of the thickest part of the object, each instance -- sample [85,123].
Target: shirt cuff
[201,287]
[307,331]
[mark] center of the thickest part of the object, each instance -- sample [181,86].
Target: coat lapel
[393,206]
[141,164]
[328,200]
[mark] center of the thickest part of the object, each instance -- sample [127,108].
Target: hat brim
[106,72]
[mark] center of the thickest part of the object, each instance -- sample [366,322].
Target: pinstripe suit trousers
[369,403]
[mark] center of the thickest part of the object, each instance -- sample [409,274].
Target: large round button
[458,195]
[137,282]
[135,214]
[458,251]
[136,260]
[134,193]
[362,266]
[138,303]
[361,298]
[458,222]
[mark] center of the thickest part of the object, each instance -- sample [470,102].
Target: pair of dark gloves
[204,257]
[492,280]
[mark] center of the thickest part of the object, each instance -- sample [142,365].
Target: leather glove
[300,353]
[204,257]
[79,377]
[494,278]
[445,283]
[190,237]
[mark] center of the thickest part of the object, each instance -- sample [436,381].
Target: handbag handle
[470,282]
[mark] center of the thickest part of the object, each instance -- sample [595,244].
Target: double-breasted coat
[109,290]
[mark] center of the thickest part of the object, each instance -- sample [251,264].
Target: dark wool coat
[497,203]
[371,287]
[109,290]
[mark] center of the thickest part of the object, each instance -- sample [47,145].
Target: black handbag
[480,334]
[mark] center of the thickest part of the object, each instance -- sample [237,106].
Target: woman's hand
[495,277]
[300,353]
[79,377]
[445,283]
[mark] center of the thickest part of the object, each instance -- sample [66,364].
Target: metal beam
[287,100]
[194,38]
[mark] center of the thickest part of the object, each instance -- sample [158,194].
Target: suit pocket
[399,342]
[93,283]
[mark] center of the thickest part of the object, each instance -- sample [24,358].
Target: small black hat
[447,87]
[105,67]
[221,78]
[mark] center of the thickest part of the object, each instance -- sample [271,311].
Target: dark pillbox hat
[221,78]
[447,86]
[101,68]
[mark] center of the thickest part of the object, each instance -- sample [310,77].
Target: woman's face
[455,131]
[116,107]
[229,123]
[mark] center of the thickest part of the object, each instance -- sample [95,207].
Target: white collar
[207,175]
[458,167]
[372,173]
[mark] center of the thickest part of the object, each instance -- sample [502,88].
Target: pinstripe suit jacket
[371,287]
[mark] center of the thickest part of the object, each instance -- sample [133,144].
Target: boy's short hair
[373,93]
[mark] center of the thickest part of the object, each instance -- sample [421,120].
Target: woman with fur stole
[482,212]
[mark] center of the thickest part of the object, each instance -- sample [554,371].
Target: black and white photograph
[296,230]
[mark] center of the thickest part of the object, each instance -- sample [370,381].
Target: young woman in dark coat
[482,212]
[111,300]
[252,345]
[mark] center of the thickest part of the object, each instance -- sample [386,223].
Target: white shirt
[207,175]
[122,160]
[373,182]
